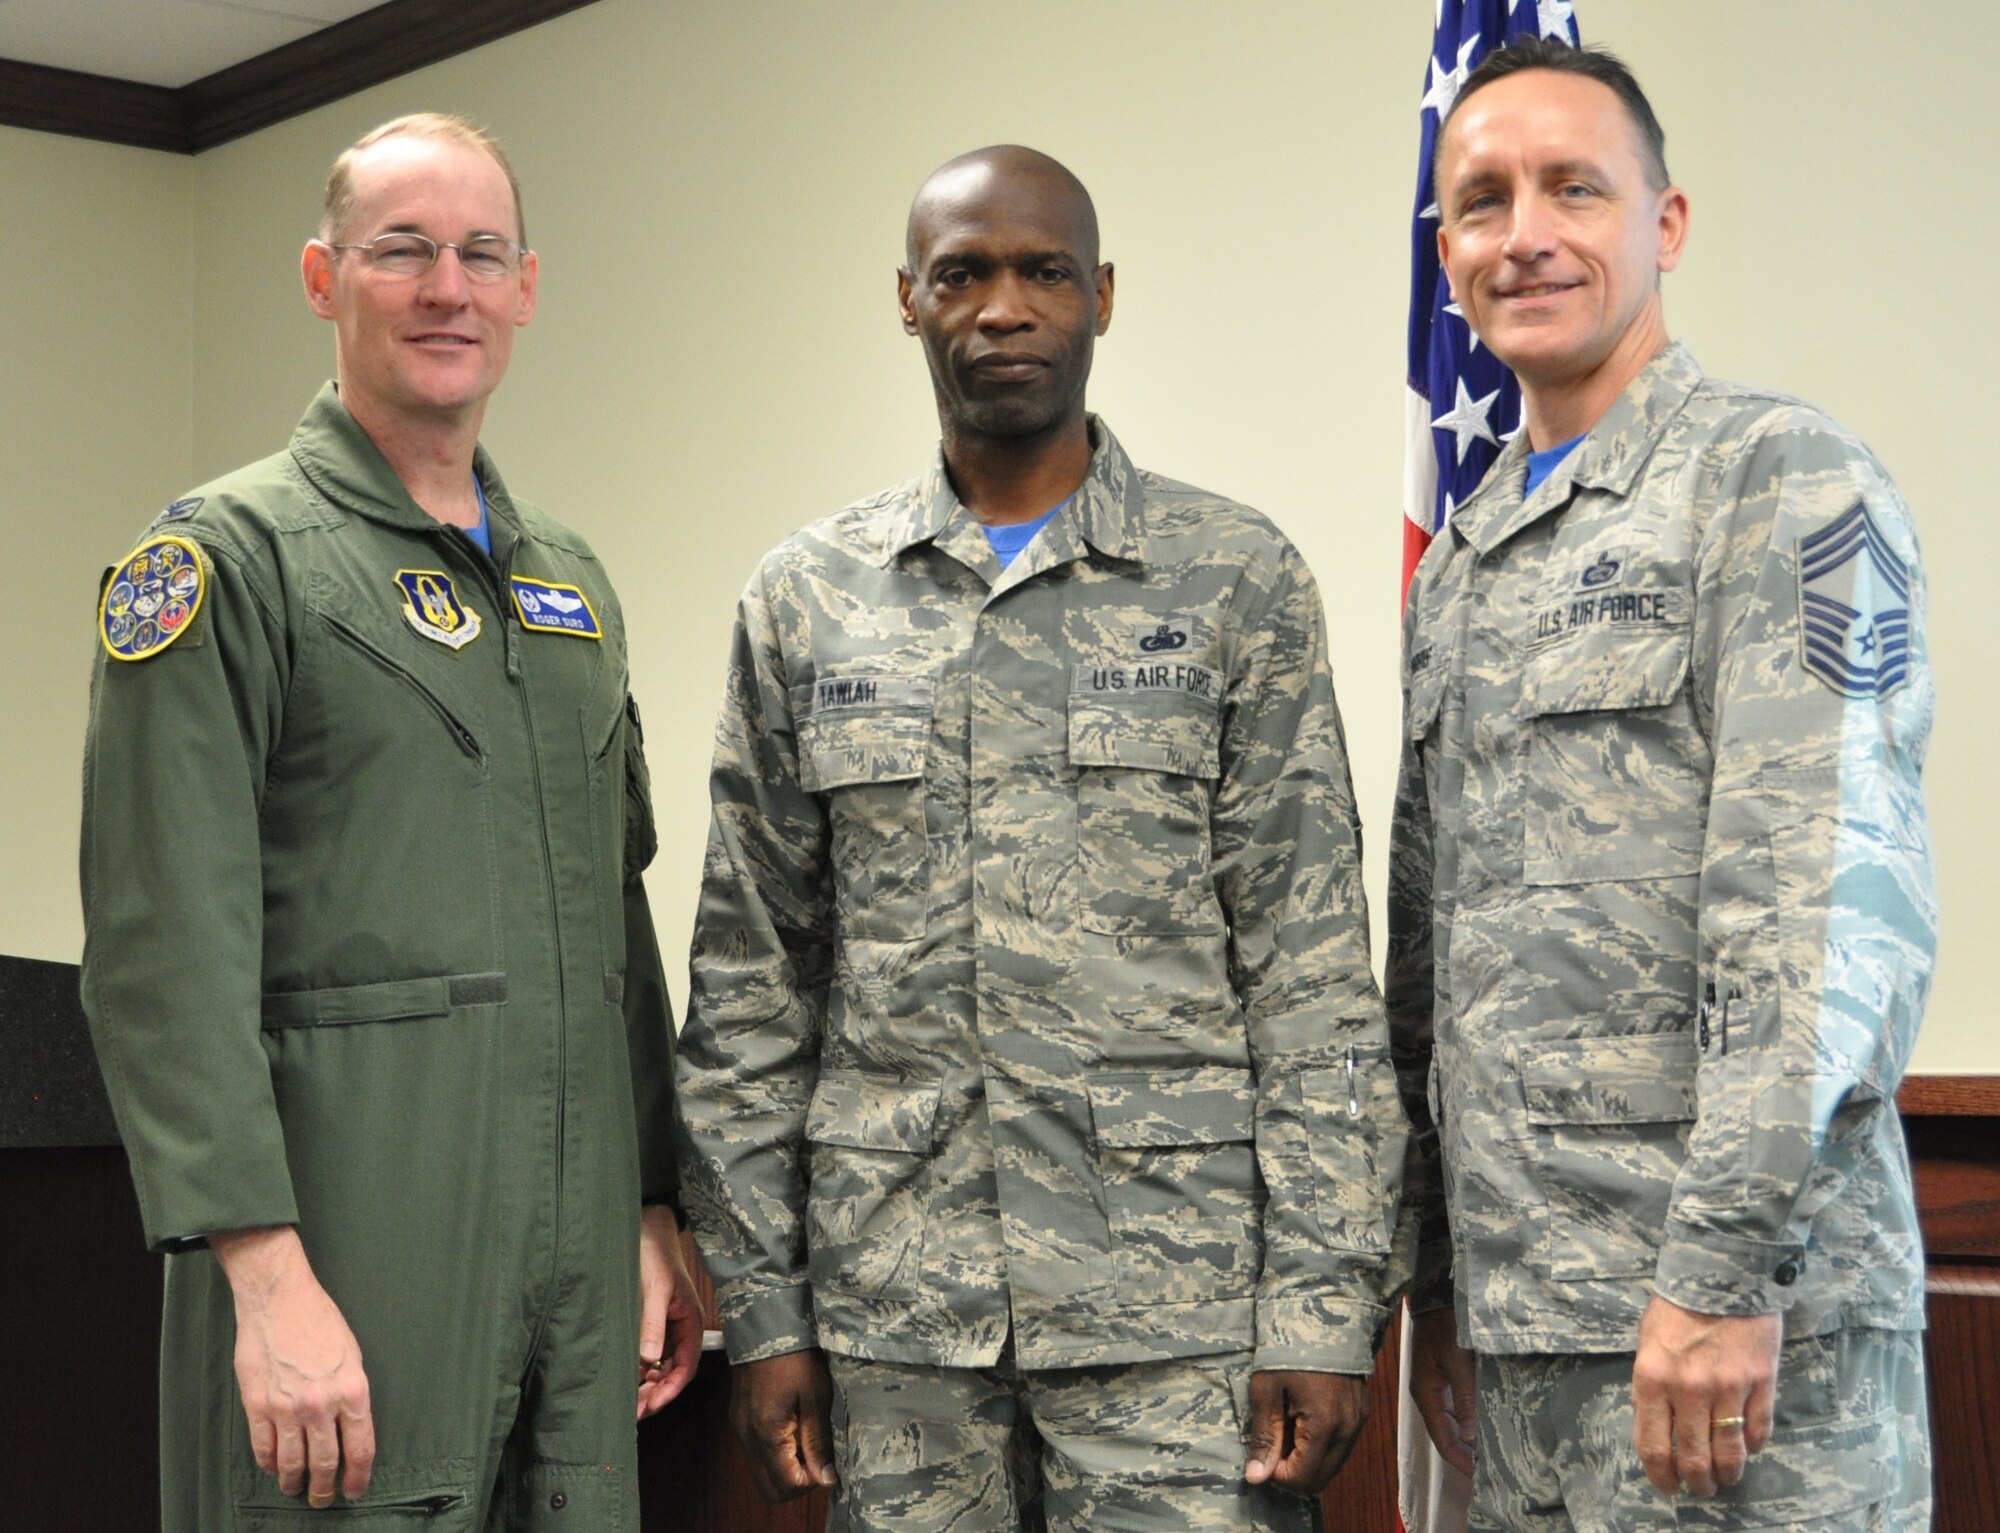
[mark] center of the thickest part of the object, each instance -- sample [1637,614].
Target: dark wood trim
[337,61]
[1950,1096]
[349,56]
[90,106]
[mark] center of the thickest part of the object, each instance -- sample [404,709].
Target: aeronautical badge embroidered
[151,599]
[432,607]
[548,606]
[1854,607]
[180,510]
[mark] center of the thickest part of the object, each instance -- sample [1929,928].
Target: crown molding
[337,61]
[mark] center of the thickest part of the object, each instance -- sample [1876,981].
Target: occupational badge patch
[151,599]
[1166,636]
[1602,571]
[180,510]
[548,606]
[431,606]
[1854,607]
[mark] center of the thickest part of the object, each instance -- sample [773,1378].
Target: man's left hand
[1702,1389]
[669,1327]
[1302,1426]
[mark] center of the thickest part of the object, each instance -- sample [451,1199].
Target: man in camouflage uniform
[1662,918]
[1034,1071]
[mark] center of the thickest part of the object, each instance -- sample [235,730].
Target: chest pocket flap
[1636,661]
[856,729]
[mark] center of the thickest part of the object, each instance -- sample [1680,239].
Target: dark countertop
[50,1092]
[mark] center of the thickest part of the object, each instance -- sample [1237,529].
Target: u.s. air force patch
[549,606]
[431,606]
[151,599]
[1854,607]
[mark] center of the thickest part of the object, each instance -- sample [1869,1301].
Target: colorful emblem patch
[548,606]
[151,599]
[431,606]
[1854,607]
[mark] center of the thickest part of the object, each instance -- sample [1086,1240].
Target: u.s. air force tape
[151,598]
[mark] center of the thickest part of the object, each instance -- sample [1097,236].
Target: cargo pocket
[1146,765]
[867,760]
[870,1144]
[437,1492]
[1181,1190]
[1617,774]
[1357,1168]
[1611,1118]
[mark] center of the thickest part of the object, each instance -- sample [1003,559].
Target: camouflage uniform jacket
[1661,910]
[1030,975]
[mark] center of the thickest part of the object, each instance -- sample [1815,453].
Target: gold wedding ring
[1727,1421]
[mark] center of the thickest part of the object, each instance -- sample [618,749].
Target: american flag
[1461,405]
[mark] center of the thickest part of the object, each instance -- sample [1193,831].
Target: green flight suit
[368,952]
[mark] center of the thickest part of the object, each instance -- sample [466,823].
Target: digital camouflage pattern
[1662,917]
[1153,1447]
[1030,975]
[1849,1449]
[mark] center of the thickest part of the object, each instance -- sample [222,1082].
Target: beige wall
[717,194]
[96,304]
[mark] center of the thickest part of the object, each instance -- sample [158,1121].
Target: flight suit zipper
[499,581]
[466,739]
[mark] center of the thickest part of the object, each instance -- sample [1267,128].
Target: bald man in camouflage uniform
[1033,1066]
[1662,918]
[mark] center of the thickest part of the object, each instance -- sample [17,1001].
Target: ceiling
[159,42]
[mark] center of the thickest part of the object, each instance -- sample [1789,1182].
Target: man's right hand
[1442,1383]
[298,1368]
[781,1408]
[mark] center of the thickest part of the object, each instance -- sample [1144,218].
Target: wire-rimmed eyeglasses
[487,258]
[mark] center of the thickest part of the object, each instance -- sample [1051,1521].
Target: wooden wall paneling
[1962,1362]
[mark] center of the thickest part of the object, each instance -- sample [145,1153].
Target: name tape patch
[1156,676]
[151,599]
[832,693]
[549,606]
[431,605]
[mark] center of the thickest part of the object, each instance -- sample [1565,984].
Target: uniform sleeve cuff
[765,1320]
[1318,1335]
[1715,1274]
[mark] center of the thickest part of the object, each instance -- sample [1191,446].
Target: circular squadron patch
[151,598]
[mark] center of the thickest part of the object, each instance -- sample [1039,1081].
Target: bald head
[1001,175]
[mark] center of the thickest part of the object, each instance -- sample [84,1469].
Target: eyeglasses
[489,258]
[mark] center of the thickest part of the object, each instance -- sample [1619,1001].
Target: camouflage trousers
[1123,1448]
[1849,1451]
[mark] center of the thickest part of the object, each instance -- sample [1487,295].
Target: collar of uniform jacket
[1608,459]
[346,466]
[1108,512]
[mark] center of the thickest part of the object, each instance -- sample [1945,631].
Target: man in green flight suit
[368,962]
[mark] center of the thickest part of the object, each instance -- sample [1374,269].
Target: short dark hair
[1599,64]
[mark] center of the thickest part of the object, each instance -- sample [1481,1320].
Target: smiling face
[1553,238]
[430,348]
[1004,289]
